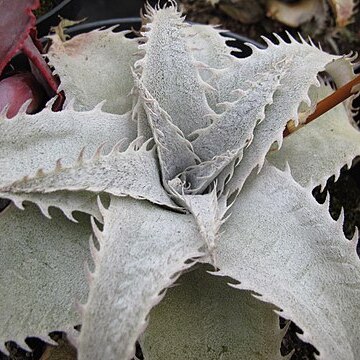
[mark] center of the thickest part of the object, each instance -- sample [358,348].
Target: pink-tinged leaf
[40,69]
[16,90]
[16,22]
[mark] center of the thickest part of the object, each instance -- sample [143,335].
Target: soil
[333,40]
[45,6]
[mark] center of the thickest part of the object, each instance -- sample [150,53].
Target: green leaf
[41,273]
[202,318]
[282,244]
[143,248]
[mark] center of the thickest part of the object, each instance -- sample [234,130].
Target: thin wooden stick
[327,104]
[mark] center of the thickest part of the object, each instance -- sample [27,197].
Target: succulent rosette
[164,157]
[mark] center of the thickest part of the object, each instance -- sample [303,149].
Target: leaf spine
[98,151]
[58,166]
[89,275]
[93,250]
[96,232]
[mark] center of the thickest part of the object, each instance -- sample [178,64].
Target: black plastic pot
[111,9]
[236,40]
[67,9]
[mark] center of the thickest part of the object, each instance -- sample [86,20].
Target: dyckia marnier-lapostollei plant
[175,174]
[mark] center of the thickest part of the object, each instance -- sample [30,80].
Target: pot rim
[53,11]
[137,20]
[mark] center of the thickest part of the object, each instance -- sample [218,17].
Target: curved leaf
[208,212]
[32,142]
[174,151]
[67,201]
[282,244]
[16,90]
[209,47]
[16,21]
[302,64]
[235,126]
[143,248]
[321,148]
[176,83]
[133,172]
[202,318]
[78,60]
[41,273]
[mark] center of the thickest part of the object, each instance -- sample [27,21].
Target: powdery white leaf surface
[298,58]
[211,52]
[200,176]
[318,150]
[209,47]
[208,212]
[67,201]
[132,172]
[41,272]
[32,142]
[303,62]
[175,153]
[168,70]
[282,244]
[142,250]
[90,76]
[205,319]
[233,129]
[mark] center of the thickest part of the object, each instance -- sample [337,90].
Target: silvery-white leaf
[96,66]
[202,318]
[41,272]
[133,172]
[67,201]
[208,212]
[200,176]
[302,63]
[209,47]
[176,83]
[174,151]
[278,241]
[319,150]
[32,142]
[282,244]
[233,129]
[143,248]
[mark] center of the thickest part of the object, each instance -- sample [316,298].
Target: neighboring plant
[175,170]
[294,13]
[18,33]
[299,12]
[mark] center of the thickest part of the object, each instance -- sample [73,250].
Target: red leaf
[16,90]
[16,22]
